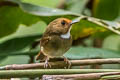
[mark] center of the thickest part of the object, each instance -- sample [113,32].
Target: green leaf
[15,60]
[2,58]
[106,9]
[44,12]
[112,42]
[87,26]
[22,39]
[11,17]
[76,5]
[45,3]
[84,52]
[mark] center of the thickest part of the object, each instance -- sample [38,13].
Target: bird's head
[60,25]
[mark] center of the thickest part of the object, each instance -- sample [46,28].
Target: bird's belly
[54,53]
[57,47]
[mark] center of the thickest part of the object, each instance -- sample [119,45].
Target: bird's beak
[73,22]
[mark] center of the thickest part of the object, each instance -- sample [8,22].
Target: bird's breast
[57,46]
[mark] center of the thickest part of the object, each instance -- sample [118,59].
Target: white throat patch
[67,35]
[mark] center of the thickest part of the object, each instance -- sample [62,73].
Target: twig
[40,72]
[61,64]
[90,76]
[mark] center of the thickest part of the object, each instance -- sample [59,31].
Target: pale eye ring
[63,22]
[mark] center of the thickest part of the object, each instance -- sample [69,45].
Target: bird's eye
[63,22]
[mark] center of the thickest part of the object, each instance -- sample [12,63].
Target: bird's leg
[67,62]
[46,64]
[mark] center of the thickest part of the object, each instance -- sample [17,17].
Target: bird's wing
[45,40]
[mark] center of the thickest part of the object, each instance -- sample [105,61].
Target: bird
[56,40]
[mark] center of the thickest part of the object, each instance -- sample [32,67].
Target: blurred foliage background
[22,23]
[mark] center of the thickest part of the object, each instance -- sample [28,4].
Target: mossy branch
[40,72]
[90,76]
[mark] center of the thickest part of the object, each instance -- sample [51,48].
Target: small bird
[56,40]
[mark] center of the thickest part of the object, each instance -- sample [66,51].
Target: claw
[67,62]
[47,64]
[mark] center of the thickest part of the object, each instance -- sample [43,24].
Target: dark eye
[63,22]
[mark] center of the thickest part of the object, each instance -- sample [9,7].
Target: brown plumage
[56,40]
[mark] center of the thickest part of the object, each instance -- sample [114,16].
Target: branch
[39,72]
[111,77]
[61,64]
[90,76]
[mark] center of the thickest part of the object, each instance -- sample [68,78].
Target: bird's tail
[40,56]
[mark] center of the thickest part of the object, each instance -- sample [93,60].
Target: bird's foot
[67,62]
[47,64]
